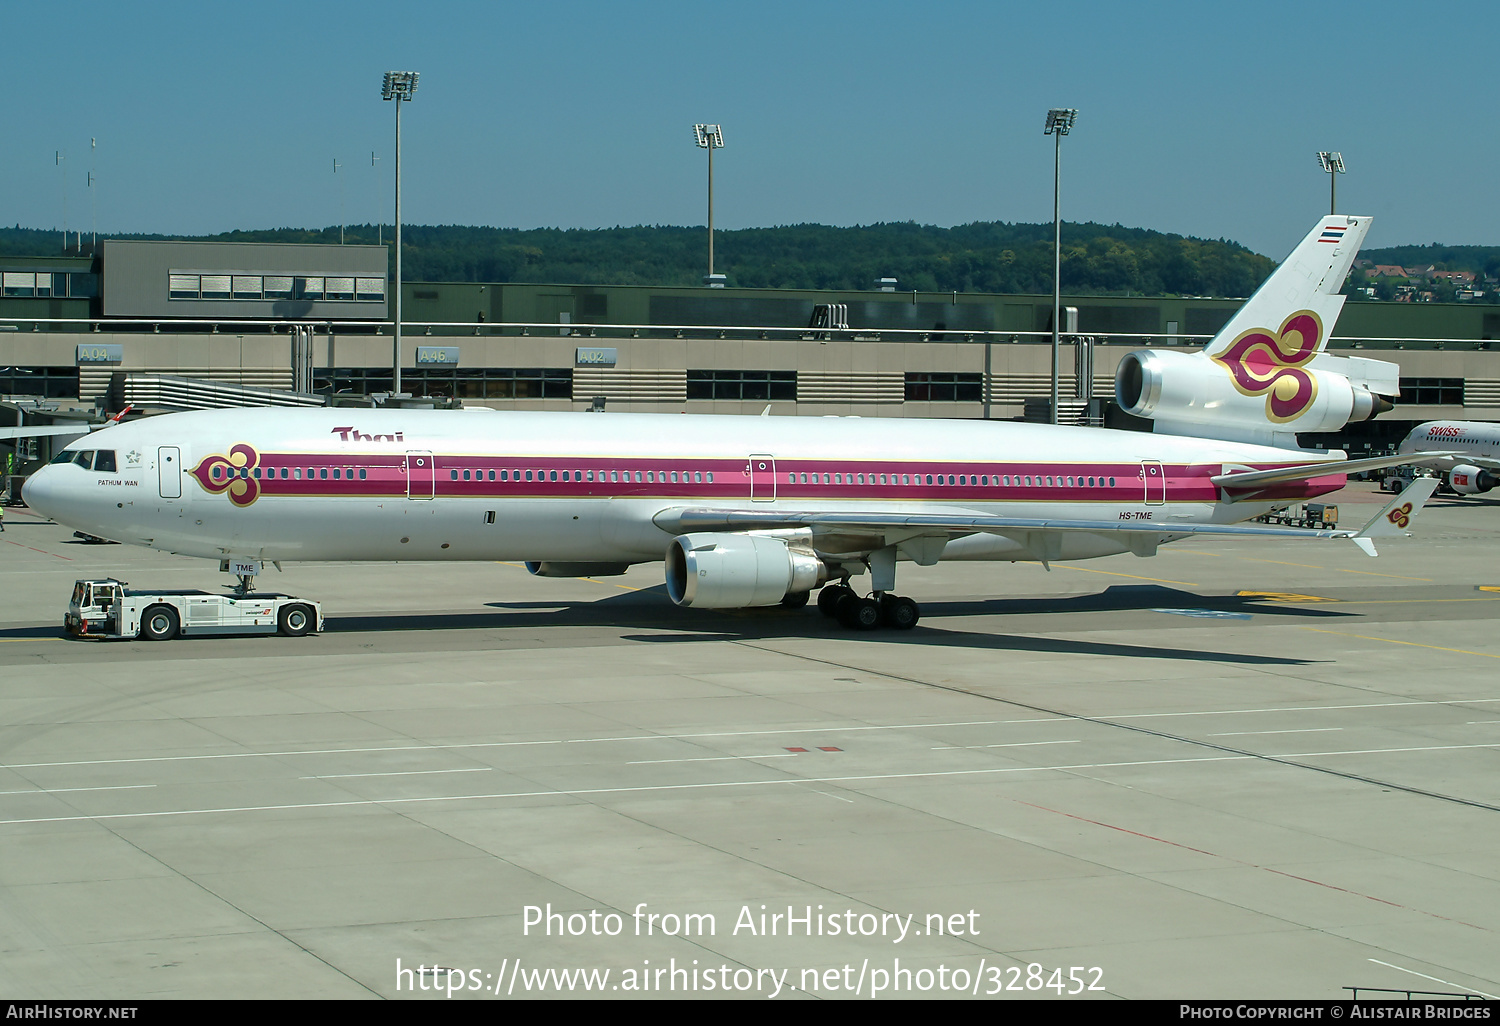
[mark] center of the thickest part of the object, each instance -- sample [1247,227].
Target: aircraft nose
[40,492]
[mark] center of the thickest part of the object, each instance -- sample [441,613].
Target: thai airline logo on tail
[1261,362]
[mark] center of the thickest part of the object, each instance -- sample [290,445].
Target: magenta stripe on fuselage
[386,476]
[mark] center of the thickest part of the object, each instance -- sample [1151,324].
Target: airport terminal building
[135,320]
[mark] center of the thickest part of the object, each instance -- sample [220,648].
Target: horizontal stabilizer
[1237,479]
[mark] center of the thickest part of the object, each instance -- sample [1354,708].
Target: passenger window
[492,475]
[296,473]
[614,477]
[651,476]
[554,475]
[710,477]
[335,473]
[528,475]
[362,473]
[698,477]
[322,473]
[674,477]
[454,474]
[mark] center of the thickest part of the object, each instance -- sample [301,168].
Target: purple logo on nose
[231,474]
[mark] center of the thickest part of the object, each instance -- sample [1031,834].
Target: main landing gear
[863,614]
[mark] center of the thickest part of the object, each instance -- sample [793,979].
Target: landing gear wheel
[860,614]
[795,599]
[160,624]
[829,597]
[294,621]
[898,612]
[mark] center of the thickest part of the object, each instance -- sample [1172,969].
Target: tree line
[993,257]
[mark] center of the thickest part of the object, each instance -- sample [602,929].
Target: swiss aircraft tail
[1265,376]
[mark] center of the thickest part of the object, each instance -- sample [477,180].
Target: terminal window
[47,382]
[457,382]
[1432,391]
[183,285]
[924,386]
[742,385]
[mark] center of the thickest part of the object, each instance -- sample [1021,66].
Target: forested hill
[981,257]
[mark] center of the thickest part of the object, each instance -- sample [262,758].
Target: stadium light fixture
[710,138]
[1333,163]
[1059,123]
[398,86]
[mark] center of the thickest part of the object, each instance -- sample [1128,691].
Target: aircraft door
[421,480]
[169,471]
[762,478]
[1154,478]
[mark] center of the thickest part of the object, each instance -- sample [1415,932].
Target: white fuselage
[363,484]
[1477,440]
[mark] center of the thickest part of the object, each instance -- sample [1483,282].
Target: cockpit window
[66,456]
[104,461]
[85,459]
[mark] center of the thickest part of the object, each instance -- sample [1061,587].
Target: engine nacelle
[731,571]
[1467,479]
[547,568]
[1191,393]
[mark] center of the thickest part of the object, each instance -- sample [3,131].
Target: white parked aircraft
[754,511]
[1468,451]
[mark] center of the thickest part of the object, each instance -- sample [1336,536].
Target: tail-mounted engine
[731,571]
[1250,396]
[1467,479]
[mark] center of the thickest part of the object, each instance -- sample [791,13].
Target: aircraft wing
[1447,458]
[51,429]
[884,528]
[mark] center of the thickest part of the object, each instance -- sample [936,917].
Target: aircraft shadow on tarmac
[649,609]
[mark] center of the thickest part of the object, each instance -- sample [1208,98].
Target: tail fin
[1265,376]
[1308,281]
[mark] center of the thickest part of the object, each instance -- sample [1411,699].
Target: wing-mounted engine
[731,571]
[1242,395]
[1467,479]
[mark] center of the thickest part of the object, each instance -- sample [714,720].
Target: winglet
[1397,515]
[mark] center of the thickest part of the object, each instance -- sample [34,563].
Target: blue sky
[1198,118]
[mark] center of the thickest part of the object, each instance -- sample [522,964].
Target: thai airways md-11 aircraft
[756,511]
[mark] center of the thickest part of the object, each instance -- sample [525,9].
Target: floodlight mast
[1333,163]
[398,86]
[710,138]
[1059,123]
